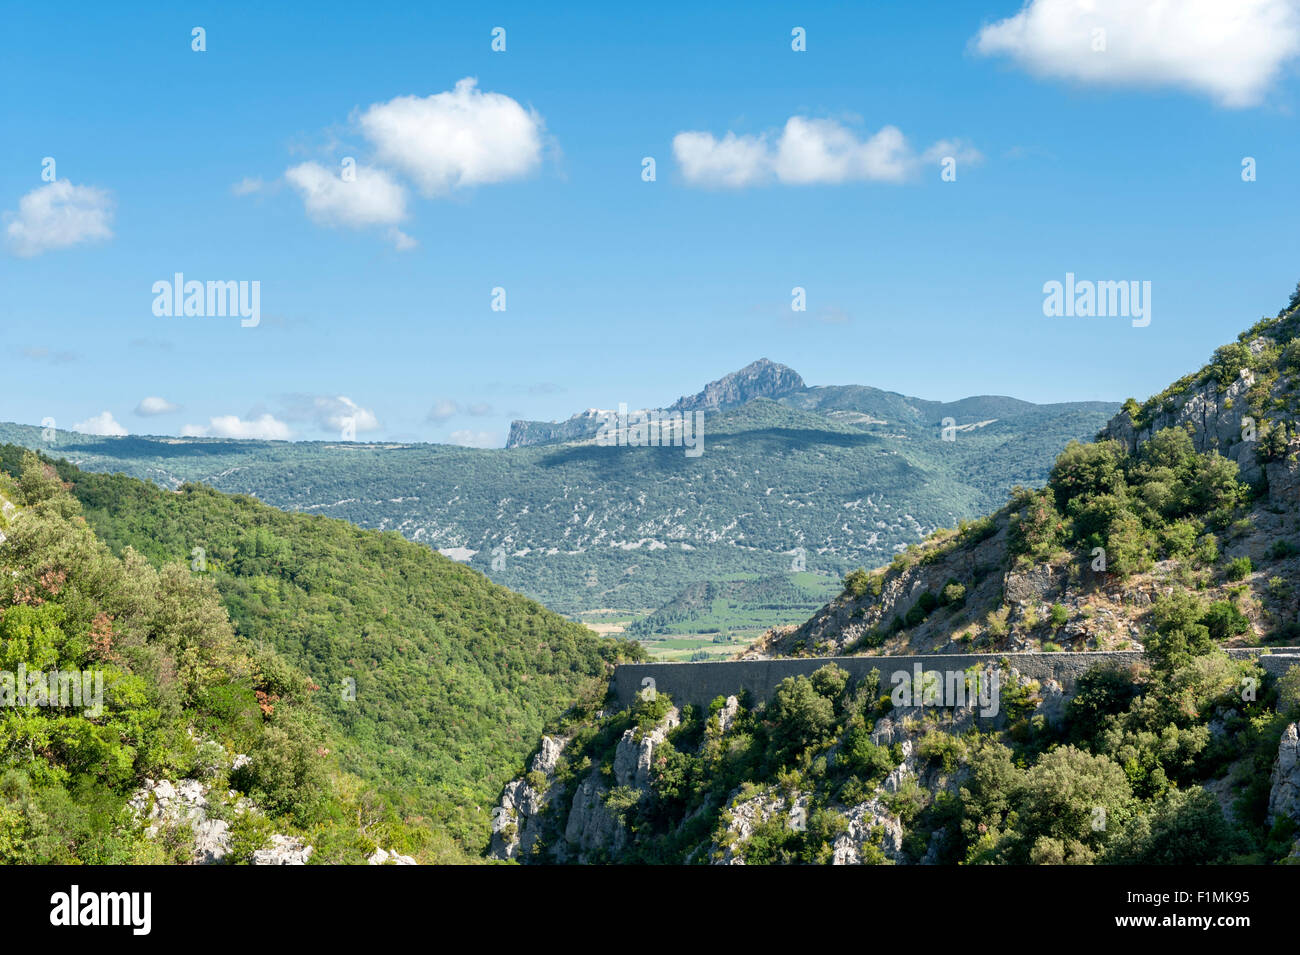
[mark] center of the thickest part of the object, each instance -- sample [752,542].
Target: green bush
[1224,620]
[857,582]
[1239,568]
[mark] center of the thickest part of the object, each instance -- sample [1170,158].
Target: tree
[1076,798]
[1085,470]
[800,714]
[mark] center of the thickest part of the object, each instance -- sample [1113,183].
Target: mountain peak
[758,379]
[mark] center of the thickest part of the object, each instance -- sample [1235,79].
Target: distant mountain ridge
[820,477]
[777,382]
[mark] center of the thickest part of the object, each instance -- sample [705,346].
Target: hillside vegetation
[173,692]
[431,681]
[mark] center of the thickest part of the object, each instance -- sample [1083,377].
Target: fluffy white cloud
[463,137]
[476,439]
[57,215]
[807,152]
[335,414]
[102,424]
[1231,50]
[154,405]
[265,427]
[372,198]
[732,161]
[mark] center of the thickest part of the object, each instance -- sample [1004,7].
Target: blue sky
[1115,164]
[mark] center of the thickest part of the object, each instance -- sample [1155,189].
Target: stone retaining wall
[701,683]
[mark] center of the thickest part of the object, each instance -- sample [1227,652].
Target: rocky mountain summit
[759,379]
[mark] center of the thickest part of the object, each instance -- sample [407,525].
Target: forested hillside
[432,682]
[168,689]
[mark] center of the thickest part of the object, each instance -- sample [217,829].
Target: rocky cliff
[759,379]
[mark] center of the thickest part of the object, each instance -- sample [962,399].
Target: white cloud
[265,427]
[442,410]
[734,161]
[1231,50]
[58,215]
[372,198]
[333,414]
[476,439]
[807,152]
[400,240]
[463,137]
[154,405]
[102,424]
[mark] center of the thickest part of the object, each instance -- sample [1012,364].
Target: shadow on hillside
[136,449]
[768,439]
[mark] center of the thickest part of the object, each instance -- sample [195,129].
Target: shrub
[866,760]
[857,582]
[1282,549]
[1288,693]
[1239,568]
[1179,539]
[1228,362]
[997,622]
[1224,620]
[1037,529]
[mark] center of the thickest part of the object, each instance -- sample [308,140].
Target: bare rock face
[1040,584]
[549,755]
[384,857]
[870,823]
[634,757]
[592,824]
[1215,415]
[1284,476]
[517,823]
[1284,798]
[727,715]
[162,804]
[1052,701]
[745,815]
[759,379]
[525,814]
[284,850]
